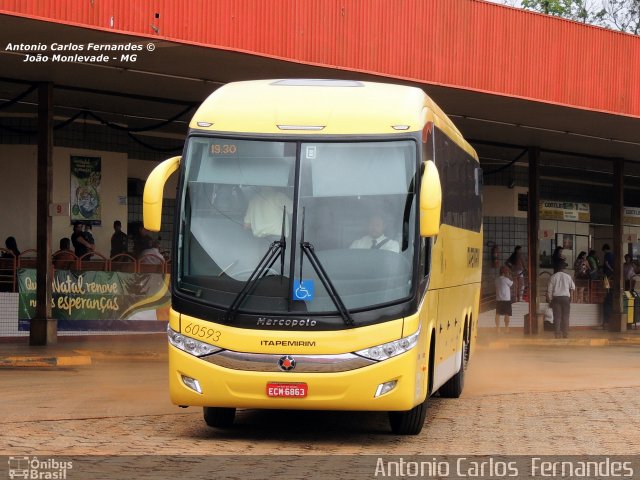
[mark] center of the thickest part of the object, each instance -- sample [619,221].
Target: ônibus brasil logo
[36,469]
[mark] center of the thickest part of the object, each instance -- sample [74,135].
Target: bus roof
[321,107]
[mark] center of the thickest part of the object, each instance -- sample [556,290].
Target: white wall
[18,194]
[501,201]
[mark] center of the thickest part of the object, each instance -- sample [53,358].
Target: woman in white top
[503,297]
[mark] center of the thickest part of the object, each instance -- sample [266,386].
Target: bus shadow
[295,426]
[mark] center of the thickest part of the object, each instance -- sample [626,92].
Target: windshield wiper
[276,249]
[308,249]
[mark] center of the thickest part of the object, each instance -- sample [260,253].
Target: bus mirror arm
[430,200]
[153,192]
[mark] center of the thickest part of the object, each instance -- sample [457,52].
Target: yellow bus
[327,251]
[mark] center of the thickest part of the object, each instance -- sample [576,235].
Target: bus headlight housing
[190,345]
[390,349]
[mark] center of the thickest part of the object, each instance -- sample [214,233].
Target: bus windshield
[353,204]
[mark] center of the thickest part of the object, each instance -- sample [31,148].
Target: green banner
[98,295]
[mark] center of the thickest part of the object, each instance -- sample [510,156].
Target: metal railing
[67,260]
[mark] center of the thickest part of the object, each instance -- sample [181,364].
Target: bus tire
[454,386]
[409,422]
[219,417]
[466,354]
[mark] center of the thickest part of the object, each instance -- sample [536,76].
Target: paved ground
[524,399]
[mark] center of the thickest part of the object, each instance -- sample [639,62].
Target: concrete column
[533,225]
[43,329]
[618,321]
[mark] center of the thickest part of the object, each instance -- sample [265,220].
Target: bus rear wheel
[408,422]
[219,417]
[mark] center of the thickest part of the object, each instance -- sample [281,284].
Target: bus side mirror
[430,201]
[153,190]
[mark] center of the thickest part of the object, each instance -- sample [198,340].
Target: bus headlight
[390,349]
[190,345]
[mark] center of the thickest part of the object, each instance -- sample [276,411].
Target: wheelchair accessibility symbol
[303,290]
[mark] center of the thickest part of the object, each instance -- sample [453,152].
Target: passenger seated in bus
[376,238]
[264,213]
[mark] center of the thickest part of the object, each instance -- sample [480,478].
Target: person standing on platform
[582,274]
[516,263]
[559,291]
[80,243]
[503,298]
[88,236]
[594,264]
[628,271]
[119,240]
[607,261]
[141,241]
[558,258]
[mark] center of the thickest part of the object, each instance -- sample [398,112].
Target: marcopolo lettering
[286,322]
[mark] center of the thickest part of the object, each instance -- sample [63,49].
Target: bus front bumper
[347,390]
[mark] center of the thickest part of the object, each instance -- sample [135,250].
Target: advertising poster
[86,173]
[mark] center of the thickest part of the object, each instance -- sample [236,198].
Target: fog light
[385,387]
[193,384]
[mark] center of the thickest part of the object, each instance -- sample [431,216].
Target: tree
[584,11]
[624,15]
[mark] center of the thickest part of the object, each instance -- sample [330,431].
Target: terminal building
[94,94]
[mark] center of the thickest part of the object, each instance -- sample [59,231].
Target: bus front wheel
[409,422]
[219,417]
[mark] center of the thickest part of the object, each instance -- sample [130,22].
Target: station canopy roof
[159,86]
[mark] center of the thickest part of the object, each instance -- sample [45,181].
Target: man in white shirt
[376,238]
[559,295]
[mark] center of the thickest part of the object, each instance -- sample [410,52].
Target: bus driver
[376,238]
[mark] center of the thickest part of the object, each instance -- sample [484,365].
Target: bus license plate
[289,390]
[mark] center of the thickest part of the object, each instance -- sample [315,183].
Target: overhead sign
[630,215]
[568,211]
